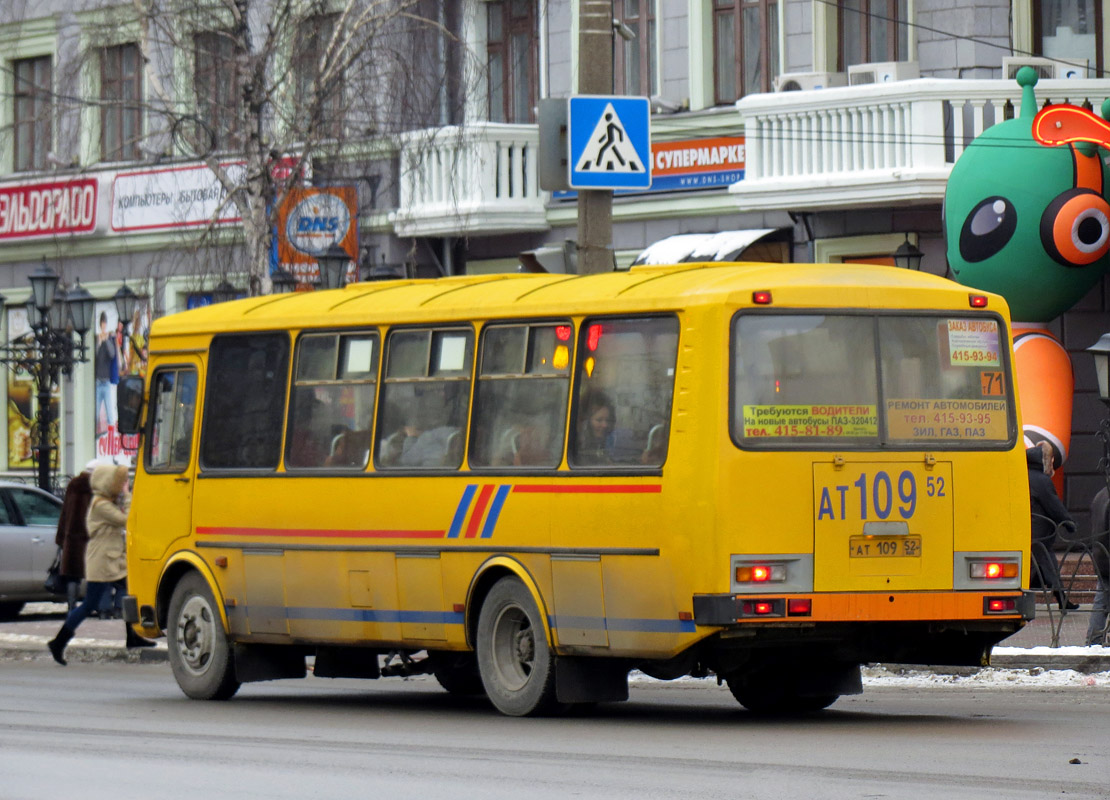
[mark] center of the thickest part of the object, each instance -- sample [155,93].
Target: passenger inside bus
[597,420]
[432,433]
[307,445]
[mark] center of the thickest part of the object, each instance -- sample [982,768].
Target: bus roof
[643,288]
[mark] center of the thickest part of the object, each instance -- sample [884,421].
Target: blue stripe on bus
[495,510]
[618,624]
[359,614]
[461,511]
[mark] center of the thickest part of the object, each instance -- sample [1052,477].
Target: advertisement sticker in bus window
[452,354]
[810,420]
[973,342]
[359,356]
[958,420]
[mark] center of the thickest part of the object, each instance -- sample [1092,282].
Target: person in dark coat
[1100,523]
[1048,513]
[72,536]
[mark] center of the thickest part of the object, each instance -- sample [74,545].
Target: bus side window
[173,399]
[520,402]
[625,381]
[331,407]
[425,395]
[245,401]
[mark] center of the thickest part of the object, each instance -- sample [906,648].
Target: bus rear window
[858,380]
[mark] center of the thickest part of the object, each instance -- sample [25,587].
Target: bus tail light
[761,573]
[992,570]
[757,607]
[1000,605]
[799,607]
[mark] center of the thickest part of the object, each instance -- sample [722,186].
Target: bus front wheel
[200,654]
[514,659]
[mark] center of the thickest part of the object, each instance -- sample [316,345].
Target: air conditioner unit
[882,72]
[804,81]
[1047,68]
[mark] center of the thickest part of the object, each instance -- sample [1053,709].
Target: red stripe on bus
[590,488]
[479,510]
[322,533]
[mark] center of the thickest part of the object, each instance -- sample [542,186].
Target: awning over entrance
[723,246]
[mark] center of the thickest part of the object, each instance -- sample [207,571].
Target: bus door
[169,460]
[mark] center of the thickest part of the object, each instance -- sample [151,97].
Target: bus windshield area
[863,380]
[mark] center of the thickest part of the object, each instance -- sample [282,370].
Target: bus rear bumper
[731,609]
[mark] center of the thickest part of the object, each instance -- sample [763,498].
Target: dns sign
[312,221]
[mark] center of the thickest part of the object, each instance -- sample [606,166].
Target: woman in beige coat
[106,556]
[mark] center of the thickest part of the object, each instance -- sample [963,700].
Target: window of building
[331,411]
[319,83]
[1069,30]
[511,60]
[425,394]
[520,402]
[245,401]
[173,402]
[634,59]
[745,48]
[625,381]
[872,30]
[33,117]
[217,84]
[120,98]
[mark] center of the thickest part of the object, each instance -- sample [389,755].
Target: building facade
[803,130]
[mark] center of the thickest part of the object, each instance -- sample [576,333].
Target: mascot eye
[987,229]
[1075,228]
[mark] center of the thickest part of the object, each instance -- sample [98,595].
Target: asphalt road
[125,731]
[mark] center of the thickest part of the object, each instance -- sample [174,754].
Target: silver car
[28,524]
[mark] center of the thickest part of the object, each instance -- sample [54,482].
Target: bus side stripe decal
[589,488]
[460,512]
[324,533]
[495,510]
[479,510]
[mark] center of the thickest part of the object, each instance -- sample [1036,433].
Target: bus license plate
[884,547]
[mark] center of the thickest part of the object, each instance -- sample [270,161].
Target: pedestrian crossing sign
[610,142]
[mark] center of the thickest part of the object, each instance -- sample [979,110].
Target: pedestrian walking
[105,557]
[72,536]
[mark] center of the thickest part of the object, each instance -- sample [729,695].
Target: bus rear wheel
[200,654]
[514,659]
[457,673]
[770,696]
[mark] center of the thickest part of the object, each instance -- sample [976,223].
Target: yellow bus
[531,485]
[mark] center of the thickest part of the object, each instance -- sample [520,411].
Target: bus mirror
[129,404]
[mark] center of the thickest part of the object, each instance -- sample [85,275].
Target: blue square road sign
[609,141]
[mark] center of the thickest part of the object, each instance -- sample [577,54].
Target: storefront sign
[48,209]
[175,197]
[312,220]
[690,164]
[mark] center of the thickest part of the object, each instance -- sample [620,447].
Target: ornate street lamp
[126,301]
[1101,352]
[59,321]
[282,281]
[333,267]
[907,256]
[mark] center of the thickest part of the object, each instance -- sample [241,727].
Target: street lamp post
[907,256]
[48,351]
[333,267]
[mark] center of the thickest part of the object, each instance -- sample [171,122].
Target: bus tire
[200,654]
[514,659]
[457,673]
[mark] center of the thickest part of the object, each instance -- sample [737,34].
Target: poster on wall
[116,353]
[312,220]
[23,405]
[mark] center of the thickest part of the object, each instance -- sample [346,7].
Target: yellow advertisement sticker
[973,342]
[970,420]
[811,420]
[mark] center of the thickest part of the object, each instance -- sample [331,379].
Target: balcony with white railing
[876,144]
[473,180]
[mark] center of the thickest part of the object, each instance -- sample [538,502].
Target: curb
[33,648]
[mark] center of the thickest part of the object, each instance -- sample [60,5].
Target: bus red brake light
[1000,605]
[977,300]
[992,570]
[761,298]
[761,573]
[799,607]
